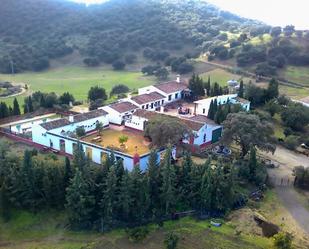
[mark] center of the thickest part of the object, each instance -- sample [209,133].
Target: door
[216,135]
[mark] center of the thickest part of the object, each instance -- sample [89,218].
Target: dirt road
[288,197]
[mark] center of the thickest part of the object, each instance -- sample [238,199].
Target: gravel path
[288,196]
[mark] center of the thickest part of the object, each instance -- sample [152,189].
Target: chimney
[178,78]
[71,118]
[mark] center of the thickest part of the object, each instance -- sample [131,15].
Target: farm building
[202,106]
[205,131]
[118,112]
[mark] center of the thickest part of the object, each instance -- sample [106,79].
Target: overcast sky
[273,12]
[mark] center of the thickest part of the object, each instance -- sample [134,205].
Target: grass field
[222,76]
[296,74]
[46,230]
[76,80]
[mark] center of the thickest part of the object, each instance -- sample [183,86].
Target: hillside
[32,32]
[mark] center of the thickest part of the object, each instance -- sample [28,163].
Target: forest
[32,32]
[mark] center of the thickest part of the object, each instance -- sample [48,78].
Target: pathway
[288,196]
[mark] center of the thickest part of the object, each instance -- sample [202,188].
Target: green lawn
[266,38]
[222,76]
[296,74]
[76,80]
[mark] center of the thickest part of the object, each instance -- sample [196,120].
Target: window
[143,106]
[204,138]
[169,97]
[147,106]
[151,105]
[176,95]
[204,110]
[162,102]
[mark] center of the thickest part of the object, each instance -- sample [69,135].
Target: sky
[273,12]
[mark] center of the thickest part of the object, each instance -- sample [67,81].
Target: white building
[202,106]
[205,131]
[118,112]
[171,90]
[149,101]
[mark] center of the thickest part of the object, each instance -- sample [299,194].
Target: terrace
[109,138]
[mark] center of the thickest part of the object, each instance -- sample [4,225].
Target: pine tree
[185,181]
[273,89]
[79,158]
[109,200]
[215,107]
[252,163]
[80,201]
[219,116]
[241,89]
[68,173]
[208,86]
[28,191]
[4,202]
[138,193]
[16,109]
[153,181]
[211,113]
[168,183]
[124,200]
[4,110]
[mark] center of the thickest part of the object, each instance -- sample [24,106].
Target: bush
[283,240]
[119,65]
[80,131]
[118,89]
[137,234]
[291,142]
[171,240]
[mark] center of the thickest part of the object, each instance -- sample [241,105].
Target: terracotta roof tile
[171,86]
[89,115]
[54,124]
[147,98]
[122,107]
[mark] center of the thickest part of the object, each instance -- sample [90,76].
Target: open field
[109,138]
[296,74]
[76,80]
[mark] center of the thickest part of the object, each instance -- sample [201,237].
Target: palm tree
[123,139]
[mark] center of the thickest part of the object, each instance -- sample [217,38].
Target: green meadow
[76,80]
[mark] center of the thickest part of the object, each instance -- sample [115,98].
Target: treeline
[35,101]
[108,196]
[35,31]
[200,88]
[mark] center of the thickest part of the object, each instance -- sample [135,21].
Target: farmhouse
[205,131]
[202,106]
[129,117]
[118,112]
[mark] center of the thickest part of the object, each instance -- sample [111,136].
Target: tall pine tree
[16,109]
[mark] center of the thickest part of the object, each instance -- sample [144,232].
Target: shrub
[80,131]
[171,240]
[120,88]
[291,142]
[119,65]
[283,241]
[137,234]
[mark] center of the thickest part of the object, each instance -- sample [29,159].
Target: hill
[32,32]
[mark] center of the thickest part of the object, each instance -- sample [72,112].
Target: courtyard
[109,138]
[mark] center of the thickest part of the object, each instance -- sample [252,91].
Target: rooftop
[192,124]
[54,124]
[203,119]
[109,139]
[89,115]
[123,107]
[147,98]
[171,86]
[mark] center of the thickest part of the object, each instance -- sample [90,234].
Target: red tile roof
[171,86]
[54,124]
[89,115]
[147,98]
[123,107]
